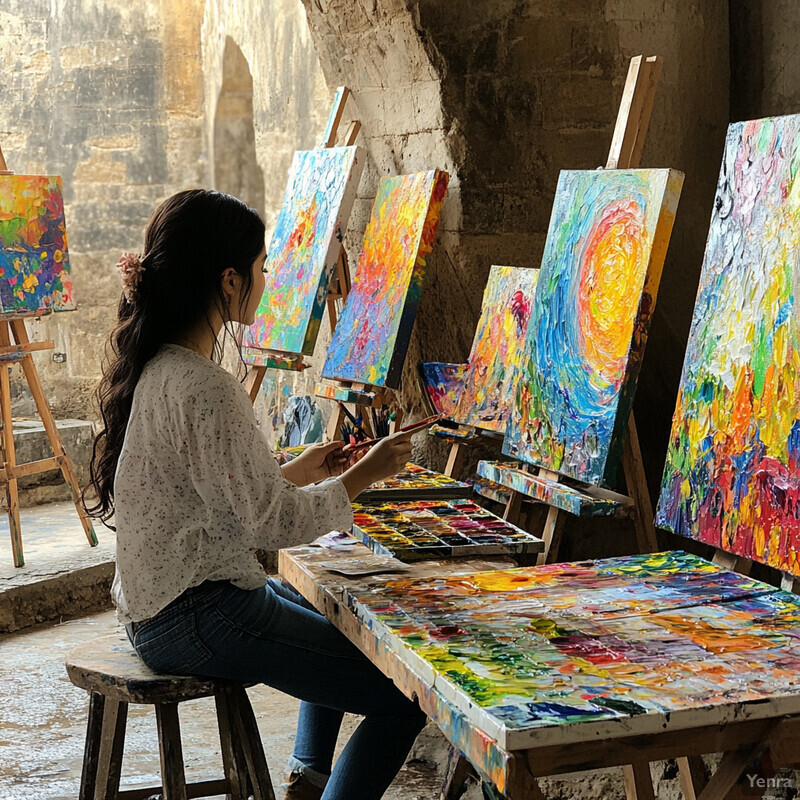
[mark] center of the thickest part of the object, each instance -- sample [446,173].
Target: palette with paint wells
[438,529]
[416,483]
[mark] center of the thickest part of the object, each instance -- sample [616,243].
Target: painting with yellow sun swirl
[732,474]
[597,287]
[34,261]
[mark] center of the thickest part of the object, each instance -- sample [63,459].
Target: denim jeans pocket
[171,644]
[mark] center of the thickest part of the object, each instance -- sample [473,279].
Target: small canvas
[372,335]
[732,474]
[443,383]
[499,340]
[597,286]
[304,250]
[34,260]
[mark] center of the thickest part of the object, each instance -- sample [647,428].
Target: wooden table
[739,664]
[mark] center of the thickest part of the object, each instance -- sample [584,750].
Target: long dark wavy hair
[191,239]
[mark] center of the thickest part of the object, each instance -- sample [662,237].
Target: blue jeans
[271,635]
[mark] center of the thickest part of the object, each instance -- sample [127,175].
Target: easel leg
[455,459]
[513,507]
[637,488]
[553,526]
[9,457]
[638,781]
[692,776]
[43,407]
[253,381]
[459,770]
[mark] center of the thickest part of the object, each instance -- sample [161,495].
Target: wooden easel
[625,153]
[10,471]
[339,286]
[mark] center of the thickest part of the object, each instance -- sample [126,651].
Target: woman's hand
[316,463]
[384,459]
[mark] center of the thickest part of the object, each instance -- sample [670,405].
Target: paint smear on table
[732,475]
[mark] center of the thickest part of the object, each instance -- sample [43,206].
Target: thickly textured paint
[597,286]
[443,384]
[499,340]
[415,483]
[34,263]
[435,528]
[371,338]
[624,638]
[547,491]
[304,250]
[732,475]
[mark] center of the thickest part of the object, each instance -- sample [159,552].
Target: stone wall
[108,96]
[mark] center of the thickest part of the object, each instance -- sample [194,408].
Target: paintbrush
[425,423]
[358,425]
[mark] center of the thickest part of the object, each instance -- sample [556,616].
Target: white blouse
[198,491]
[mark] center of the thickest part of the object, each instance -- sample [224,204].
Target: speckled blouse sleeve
[235,473]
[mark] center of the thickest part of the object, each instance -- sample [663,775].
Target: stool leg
[91,750]
[112,743]
[173,779]
[233,761]
[250,740]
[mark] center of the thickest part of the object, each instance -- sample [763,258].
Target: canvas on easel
[605,249]
[372,335]
[732,474]
[304,250]
[35,280]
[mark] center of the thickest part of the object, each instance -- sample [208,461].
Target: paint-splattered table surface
[512,659]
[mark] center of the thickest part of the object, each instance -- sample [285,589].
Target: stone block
[31,444]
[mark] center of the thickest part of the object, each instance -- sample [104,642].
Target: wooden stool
[114,675]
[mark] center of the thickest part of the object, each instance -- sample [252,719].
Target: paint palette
[415,483]
[438,529]
[566,652]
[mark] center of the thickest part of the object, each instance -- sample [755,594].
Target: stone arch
[236,168]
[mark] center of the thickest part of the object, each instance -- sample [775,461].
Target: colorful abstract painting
[304,250]
[415,483]
[443,383]
[422,529]
[597,287]
[499,340]
[34,261]
[651,641]
[732,475]
[371,338]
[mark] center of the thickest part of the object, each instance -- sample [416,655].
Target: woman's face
[247,307]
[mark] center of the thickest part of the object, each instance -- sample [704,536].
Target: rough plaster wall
[106,95]
[290,107]
[765,58]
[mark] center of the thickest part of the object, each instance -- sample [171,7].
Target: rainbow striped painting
[371,338]
[597,287]
[732,474]
[304,249]
[34,260]
[499,340]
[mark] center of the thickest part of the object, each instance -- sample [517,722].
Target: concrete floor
[42,719]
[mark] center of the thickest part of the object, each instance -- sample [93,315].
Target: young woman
[195,491]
